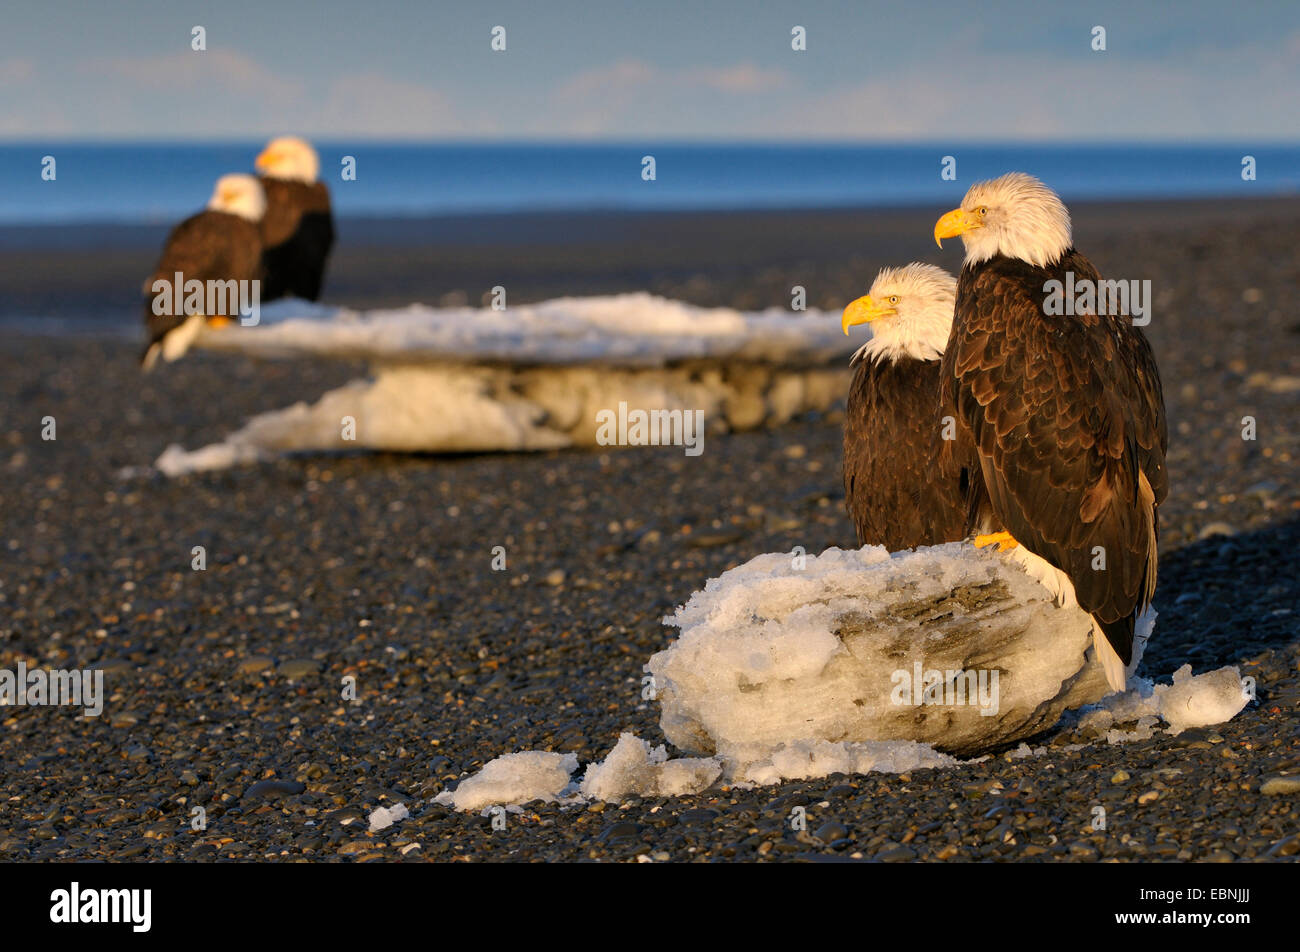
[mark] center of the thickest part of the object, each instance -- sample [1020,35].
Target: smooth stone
[265,789]
[830,831]
[899,854]
[299,668]
[1280,786]
[255,664]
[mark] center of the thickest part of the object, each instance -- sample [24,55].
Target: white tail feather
[1062,589]
[1116,675]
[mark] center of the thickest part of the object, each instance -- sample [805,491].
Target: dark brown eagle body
[209,246]
[903,485]
[1067,417]
[297,235]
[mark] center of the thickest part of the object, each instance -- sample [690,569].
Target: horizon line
[670,141]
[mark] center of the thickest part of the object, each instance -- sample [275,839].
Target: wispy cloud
[223,92]
[642,78]
[963,82]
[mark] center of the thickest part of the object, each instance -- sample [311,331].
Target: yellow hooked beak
[956,222]
[265,160]
[863,311]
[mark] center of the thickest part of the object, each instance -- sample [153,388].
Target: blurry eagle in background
[905,485]
[222,243]
[276,229]
[298,228]
[1065,412]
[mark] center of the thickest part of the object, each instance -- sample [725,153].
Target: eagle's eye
[983,210]
[893,299]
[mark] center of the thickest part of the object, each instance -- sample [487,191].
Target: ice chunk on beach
[808,759]
[792,667]
[1192,700]
[1199,700]
[384,817]
[534,377]
[619,330]
[513,779]
[635,769]
[948,646]
[175,461]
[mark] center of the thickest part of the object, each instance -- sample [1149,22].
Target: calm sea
[142,183]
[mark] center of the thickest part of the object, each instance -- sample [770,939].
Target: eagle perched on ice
[222,243]
[903,485]
[298,229]
[1066,412]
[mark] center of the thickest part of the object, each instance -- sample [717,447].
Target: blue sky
[616,70]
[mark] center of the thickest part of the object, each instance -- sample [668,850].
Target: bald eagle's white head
[910,313]
[240,195]
[1015,215]
[291,158]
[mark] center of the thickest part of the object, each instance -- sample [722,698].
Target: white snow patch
[513,779]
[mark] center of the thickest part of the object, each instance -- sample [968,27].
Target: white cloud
[368,104]
[965,88]
[1207,94]
[633,97]
[220,93]
[638,76]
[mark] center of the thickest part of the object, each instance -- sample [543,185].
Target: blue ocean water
[160,182]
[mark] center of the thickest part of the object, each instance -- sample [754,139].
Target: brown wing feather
[901,488]
[298,233]
[1068,419]
[209,246]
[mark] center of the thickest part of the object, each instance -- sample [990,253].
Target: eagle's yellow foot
[219,320]
[1003,540]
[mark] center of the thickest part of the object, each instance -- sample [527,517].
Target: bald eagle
[904,485]
[222,243]
[298,229]
[1066,412]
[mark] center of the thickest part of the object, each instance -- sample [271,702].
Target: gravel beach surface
[226,686]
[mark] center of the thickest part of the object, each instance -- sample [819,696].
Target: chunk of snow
[635,769]
[384,817]
[513,779]
[950,646]
[534,377]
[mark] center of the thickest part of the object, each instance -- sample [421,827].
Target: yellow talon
[219,320]
[1003,540]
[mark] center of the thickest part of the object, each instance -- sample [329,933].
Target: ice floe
[532,377]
